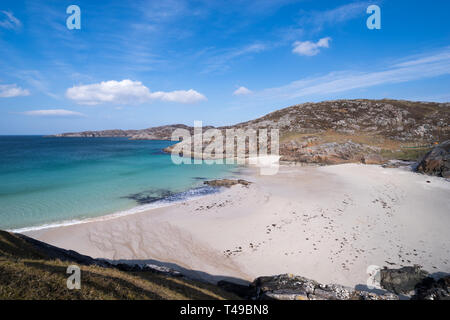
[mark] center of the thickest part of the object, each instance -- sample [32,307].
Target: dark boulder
[437,161]
[431,289]
[403,280]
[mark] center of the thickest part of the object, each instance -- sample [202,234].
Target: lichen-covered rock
[290,287]
[283,287]
[403,280]
[227,183]
[437,161]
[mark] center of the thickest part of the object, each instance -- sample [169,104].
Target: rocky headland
[333,132]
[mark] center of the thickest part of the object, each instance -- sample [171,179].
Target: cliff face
[369,131]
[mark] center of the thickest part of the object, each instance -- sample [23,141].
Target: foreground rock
[437,161]
[227,183]
[290,287]
[410,282]
[403,280]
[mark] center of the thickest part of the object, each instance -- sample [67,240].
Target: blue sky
[137,64]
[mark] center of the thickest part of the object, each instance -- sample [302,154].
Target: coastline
[326,223]
[188,195]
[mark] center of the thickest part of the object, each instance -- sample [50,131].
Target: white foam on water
[174,199]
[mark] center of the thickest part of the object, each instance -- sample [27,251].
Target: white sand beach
[324,223]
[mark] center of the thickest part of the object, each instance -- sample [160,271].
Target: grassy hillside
[27,272]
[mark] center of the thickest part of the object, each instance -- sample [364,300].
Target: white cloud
[53,113]
[181,96]
[9,21]
[242,91]
[12,90]
[412,68]
[308,48]
[127,92]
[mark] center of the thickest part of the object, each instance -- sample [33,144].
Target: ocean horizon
[47,181]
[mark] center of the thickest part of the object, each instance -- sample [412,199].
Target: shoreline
[161,203]
[325,223]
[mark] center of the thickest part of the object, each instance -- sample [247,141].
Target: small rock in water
[226,183]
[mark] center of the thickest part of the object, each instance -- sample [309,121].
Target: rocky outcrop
[408,281]
[437,161]
[147,267]
[227,183]
[291,287]
[329,153]
[403,280]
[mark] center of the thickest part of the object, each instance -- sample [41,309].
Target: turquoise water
[51,180]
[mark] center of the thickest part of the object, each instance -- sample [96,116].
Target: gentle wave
[173,199]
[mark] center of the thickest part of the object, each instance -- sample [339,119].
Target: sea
[49,181]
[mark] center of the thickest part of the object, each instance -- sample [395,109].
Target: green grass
[27,273]
[408,154]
